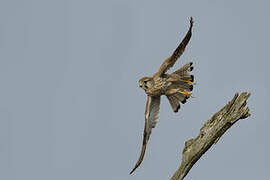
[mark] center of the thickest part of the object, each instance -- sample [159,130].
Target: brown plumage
[177,86]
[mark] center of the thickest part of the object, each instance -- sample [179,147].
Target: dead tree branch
[211,131]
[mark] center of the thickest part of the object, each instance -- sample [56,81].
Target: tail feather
[183,71]
[174,102]
[180,97]
[182,85]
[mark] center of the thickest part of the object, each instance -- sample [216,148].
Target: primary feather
[151,117]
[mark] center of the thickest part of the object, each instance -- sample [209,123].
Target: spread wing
[169,62]
[151,117]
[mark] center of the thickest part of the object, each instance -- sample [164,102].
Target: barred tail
[174,102]
[183,72]
[182,86]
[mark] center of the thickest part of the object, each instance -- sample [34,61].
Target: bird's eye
[144,82]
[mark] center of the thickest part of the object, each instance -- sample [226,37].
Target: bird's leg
[190,82]
[173,91]
[186,93]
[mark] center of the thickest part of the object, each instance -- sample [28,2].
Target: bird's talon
[186,93]
[190,82]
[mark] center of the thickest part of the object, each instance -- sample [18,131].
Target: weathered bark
[211,131]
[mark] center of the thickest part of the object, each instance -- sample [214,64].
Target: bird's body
[176,86]
[164,85]
[160,85]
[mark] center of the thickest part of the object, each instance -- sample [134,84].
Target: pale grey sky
[70,105]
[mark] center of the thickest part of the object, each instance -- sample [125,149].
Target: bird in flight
[176,86]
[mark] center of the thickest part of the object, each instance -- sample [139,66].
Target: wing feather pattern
[151,117]
[169,62]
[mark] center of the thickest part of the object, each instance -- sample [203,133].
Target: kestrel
[177,86]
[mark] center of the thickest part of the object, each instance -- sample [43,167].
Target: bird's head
[146,82]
